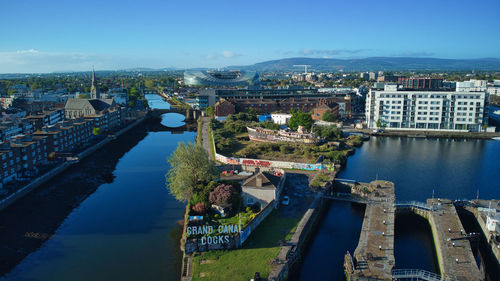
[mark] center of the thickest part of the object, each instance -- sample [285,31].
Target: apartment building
[8,163]
[32,152]
[68,135]
[395,108]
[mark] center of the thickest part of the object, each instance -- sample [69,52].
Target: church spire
[93,87]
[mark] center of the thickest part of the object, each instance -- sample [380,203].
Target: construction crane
[303,65]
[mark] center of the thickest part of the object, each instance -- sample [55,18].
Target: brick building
[260,105]
[9,159]
[325,106]
[224,108]
[305,104]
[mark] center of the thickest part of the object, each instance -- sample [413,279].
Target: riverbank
[283,228]
[290,257]
[26,224]
[430,134]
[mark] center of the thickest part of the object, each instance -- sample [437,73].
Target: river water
[127,229]
[453,169]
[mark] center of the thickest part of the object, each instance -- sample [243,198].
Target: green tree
[149,83]
[83,96]
[189,167]
[210,111]
[300,118]
[328,132]
[328,116]
[270,125]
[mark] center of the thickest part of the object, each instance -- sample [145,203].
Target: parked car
[285,201]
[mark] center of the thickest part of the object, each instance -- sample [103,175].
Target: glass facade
[221,78]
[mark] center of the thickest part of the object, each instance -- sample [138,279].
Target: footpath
[205,139]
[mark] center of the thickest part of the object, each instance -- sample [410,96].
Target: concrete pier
[481,209]
[456,260]
[374,254]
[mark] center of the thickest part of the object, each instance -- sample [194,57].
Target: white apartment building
[495,91]
[473,84]
[395,109]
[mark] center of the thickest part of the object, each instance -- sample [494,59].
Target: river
[448,168]
[127,229]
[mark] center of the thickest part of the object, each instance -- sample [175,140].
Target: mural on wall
[273,164]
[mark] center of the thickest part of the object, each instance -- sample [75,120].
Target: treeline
[80,82]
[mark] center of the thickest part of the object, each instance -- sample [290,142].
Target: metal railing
[345,180]
[419,274]
[347,197]
[414,204]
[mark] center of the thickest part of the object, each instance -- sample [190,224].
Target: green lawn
[241,264]
[245,218]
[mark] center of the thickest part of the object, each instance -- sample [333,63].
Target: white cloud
[223,55]
[330,52]
[30,51]
[229,54]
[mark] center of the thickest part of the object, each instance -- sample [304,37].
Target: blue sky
[55,35]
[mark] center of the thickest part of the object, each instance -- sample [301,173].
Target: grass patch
[319,180]
[245,218]
[255,256]
[211,143]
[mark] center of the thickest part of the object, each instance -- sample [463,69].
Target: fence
[415,274]
[235,241]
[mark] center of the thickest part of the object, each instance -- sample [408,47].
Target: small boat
[416,136]
[496,138]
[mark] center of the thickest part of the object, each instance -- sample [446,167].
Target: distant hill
[375,64]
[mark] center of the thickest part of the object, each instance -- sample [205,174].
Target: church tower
[94,93]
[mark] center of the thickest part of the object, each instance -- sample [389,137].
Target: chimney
[258,180]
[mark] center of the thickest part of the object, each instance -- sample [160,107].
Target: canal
[124,225]
[128,228]
[454,169]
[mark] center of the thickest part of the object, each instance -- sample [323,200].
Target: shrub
[270,125]
[328,132]
[256,207]
[200,208]
[328,116]
[222,194]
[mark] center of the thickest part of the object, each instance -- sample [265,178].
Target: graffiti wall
[272,164]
